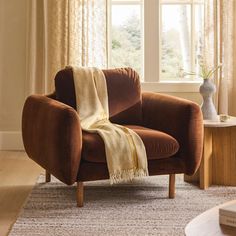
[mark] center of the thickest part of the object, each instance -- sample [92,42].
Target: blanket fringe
[127,175]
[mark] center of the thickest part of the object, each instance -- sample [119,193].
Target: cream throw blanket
[125,151]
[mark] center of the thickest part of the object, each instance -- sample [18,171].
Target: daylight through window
[176,34]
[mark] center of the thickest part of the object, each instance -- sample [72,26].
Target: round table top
[230,122]
[207,224]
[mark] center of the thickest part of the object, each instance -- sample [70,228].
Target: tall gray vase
[207,89]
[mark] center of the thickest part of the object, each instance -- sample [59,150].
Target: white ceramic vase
[207,89]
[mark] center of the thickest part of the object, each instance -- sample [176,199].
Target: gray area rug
[140,208]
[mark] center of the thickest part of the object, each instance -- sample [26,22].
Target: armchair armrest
[52,136]
[180,118]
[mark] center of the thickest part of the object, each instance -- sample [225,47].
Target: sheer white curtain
[64,32]
[220,42]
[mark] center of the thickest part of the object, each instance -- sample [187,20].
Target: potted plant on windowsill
[207,89]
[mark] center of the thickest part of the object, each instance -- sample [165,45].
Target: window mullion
[152,40]
[142,38]
[109,36]
[193,51]
[126,2]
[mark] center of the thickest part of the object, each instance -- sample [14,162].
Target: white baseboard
[11,140]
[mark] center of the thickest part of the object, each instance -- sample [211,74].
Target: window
[159,38]
[181,38]
[126,35]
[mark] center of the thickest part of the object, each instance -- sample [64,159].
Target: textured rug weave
[140,208]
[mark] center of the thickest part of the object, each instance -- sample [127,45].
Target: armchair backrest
[124,93]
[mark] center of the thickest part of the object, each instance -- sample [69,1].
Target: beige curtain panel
[64,32]
[220,42]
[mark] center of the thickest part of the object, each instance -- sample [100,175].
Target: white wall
[195,97]
[13,72]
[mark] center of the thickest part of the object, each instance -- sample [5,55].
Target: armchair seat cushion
[158,145]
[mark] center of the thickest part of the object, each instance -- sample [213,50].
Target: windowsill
[171,86]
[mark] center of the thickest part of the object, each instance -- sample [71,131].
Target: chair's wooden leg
[47,177]
[80,194]
[172,186]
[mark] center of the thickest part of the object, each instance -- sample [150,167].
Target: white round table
[207,224]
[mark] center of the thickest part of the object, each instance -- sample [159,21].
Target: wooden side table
[218,165]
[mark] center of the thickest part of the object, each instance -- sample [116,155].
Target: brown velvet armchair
[171,129]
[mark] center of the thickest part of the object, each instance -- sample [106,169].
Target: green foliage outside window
[126,44]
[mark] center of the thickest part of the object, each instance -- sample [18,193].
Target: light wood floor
[18,175]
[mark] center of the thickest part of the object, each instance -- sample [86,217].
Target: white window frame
[152,47]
